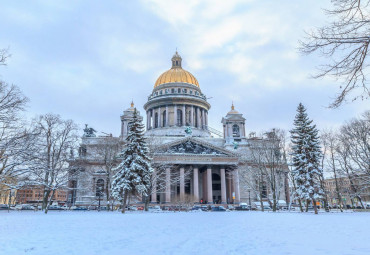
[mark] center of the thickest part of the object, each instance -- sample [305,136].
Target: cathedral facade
[192,161]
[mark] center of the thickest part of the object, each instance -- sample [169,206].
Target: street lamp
[249,192]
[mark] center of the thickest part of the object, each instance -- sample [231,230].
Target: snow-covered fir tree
[133,174]
[306,158]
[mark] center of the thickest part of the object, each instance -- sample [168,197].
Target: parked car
[55,207]
[196,208]
[243,207]
[230,207]
[27,207]
[155,208]
[218,209]
[81,208]
[65,207]
[132,208]
[204,208]
[4,207]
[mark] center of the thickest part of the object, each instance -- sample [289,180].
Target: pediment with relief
[192,146]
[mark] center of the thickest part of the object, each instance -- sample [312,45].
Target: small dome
[176,74]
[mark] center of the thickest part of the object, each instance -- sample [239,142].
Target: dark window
[178,90]
[236,131]
[172,90]
[179,118]
[156,120]
[99,187]
[164,118]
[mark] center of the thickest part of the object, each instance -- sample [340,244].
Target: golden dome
[176,74]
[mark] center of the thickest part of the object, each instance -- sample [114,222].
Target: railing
[214,131]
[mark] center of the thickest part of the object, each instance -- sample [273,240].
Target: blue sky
[86,60]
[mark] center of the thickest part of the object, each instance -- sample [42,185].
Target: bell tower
[126,119]
[234,126]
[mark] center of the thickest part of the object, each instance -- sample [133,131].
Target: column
[192,116]
[147,120]
[236,186]
[175,115]
[167,120]
[168,186]
[182,183]
[209,185]
[203,118]
[229,189]
[223,185]
[183,115]
[198,117]
[154,187]
[159,117]
[153,118]
[196,184]
[206,118]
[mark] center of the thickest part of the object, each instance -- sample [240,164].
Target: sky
[86,60]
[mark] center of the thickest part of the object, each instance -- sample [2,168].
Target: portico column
[183,115]
[209,185]
[223,186]
[196,184]
[236,186]
[147,120]
[175,115]
[154,187]
[159,117]
[167,120]
[182,184]
[168,186]
[192,116]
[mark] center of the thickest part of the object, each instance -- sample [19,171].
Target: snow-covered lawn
[184,233]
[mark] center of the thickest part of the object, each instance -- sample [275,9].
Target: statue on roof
[89,132]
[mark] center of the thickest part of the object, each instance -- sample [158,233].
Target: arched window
[236,131]
[179,118]
[156,120]
[164,118]
[99,187]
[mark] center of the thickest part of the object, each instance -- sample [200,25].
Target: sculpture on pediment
[189,147]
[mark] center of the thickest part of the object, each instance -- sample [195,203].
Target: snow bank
[183,233]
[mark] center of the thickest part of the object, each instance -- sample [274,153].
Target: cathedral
[192,161]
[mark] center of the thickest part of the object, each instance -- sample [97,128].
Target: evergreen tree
[306,158]
[133,174]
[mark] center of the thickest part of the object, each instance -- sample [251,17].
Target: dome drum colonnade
[176,100]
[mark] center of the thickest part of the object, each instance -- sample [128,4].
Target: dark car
[55,207]
[196,208]
[80,208]
[218,209]
[4,207]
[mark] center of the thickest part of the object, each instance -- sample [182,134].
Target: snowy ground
[184,233]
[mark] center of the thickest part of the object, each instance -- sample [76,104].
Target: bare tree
[345,42]
[107,151]
[15,139]
[269,167]
[50,154]
[329,138]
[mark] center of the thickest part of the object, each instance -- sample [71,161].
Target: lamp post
[249,193]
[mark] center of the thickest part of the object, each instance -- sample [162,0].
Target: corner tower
[234,126]
[176,102]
